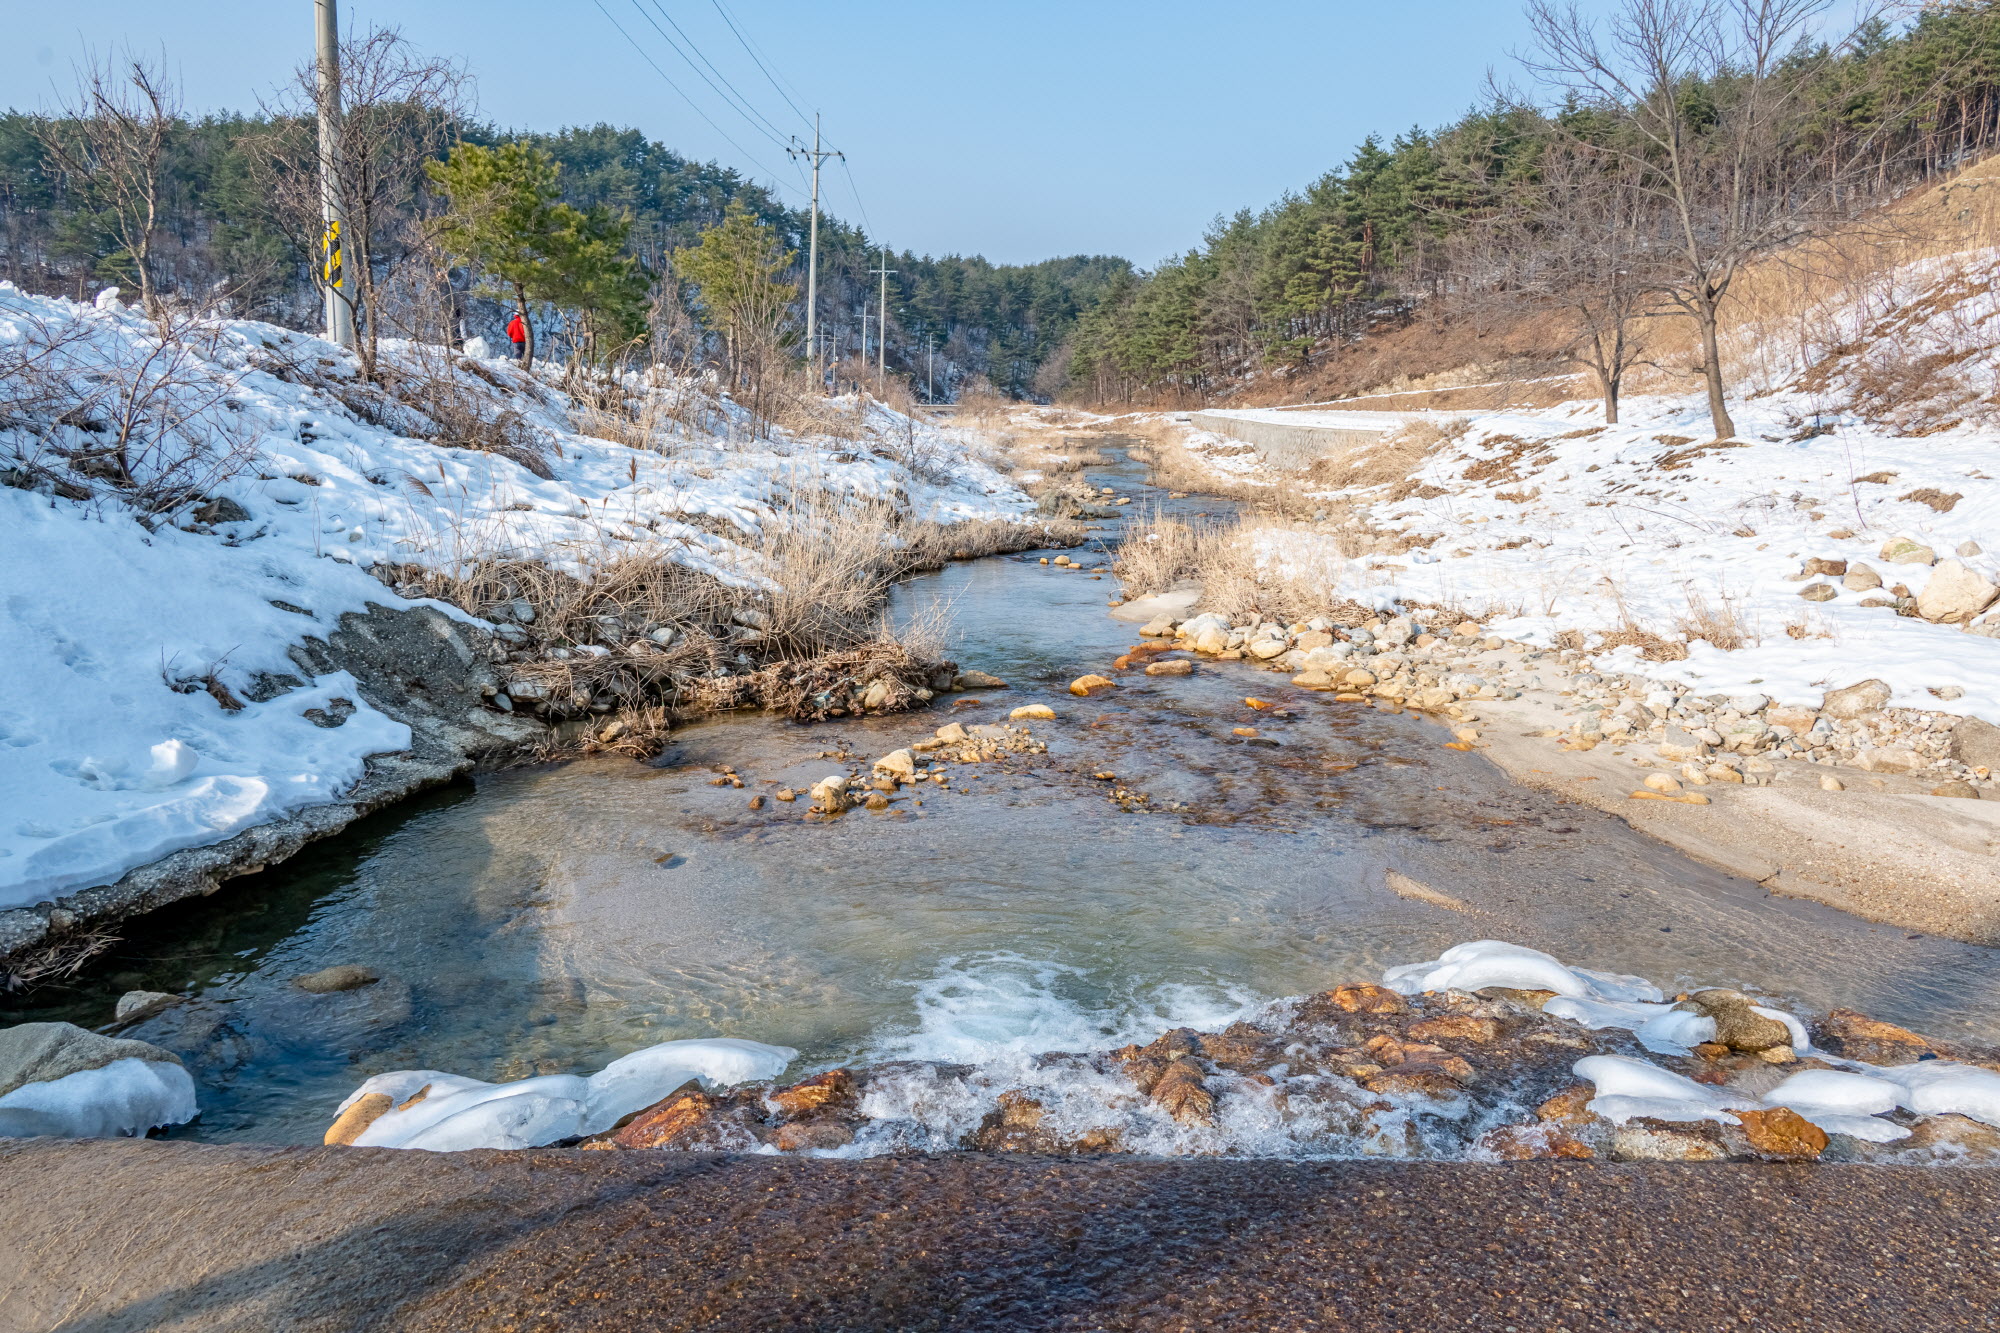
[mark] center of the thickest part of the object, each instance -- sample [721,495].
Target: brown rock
[1783,1133]
[365,1112]
[665,1122]
[1243,1053]
[1523,1143]
[1532,999]
[1366,998]
[1737,1026]
[811,1134]
[1085,686]
[1571,1106]
[345,976]
[1413,1080]
[1182,1094]
[1457,1027]
[832,1090]
[1180,666]
[1856,1036]
[1953,1138]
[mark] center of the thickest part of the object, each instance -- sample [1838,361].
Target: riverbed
[1155,868]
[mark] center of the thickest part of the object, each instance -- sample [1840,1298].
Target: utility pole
[882,327]
[812,253]
[333,243]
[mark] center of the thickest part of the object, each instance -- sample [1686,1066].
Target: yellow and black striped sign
[334,269]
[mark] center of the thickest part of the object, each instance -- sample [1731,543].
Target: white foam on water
[991,1005]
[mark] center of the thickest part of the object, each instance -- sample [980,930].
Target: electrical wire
[758,60]
[678,91]
[726,90]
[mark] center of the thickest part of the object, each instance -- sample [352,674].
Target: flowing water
[548,920]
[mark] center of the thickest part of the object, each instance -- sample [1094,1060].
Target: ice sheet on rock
[1840,1102]
[1484,963]
[459,1113]
[1627,1088]
[1946,1087]
[125,1097]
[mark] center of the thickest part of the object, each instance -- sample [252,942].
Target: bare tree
[1578,240]
[110,145]
[1705,102]
[397,110]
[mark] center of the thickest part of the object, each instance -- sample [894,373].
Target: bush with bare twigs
[148,421]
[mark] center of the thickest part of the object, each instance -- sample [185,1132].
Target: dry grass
[1394,460]
[1232,563]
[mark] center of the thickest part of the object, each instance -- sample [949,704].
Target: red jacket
[516,329]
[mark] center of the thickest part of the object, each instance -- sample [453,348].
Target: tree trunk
[1607,385]
[1711,368]
[527,326]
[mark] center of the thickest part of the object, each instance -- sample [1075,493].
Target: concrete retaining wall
[1287,444]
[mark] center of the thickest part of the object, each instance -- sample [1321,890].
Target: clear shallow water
[549,920]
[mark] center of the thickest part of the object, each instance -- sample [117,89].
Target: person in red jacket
[517,331]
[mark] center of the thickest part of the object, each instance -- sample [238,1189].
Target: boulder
[1818,592]
[1647,1143]
[1737,1023]
[1955,594]
[1033,713]
[342,976]
[1889,759]
[1861,579]
[977,680]
[1869,696]
[1180,666]
[1904,551]
[1783,1133]
[135,1005]
[1679,744]
[951,733]
[898,764]
[1962,790]
[1976,744]
[1085,686]
[1266,649]
[1314,679]
[1853,1035]
[62,1080]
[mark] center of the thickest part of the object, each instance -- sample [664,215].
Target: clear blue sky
[1018,130]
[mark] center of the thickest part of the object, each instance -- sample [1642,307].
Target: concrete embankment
[106,1236]
[1289,439]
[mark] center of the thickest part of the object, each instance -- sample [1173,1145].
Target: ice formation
[120,1099]
[457,1113]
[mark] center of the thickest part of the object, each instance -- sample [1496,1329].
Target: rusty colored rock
[1856,1036]
[664,1122]
[1182,1094]
[1413,1080]
[1784,1133]
[365,1112]
[1085,686]
[832,1090]
[1571,1106]
[1367,998]
[1457,1027]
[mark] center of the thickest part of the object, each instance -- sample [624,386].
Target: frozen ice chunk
[120,1099]
[1945,1087]
[1497,963]
[1842,1103]
[458,1113]
[633,1082]
[173,760]
[1627,1088]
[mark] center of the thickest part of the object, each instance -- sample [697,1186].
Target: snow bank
[113,751]
[458,1113]
[120,1099]
[1550,521]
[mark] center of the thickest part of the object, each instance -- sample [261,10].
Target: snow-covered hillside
[140,710]
[1649,540]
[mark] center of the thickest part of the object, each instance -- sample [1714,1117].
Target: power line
[726,90]
[758,60]
[678,91]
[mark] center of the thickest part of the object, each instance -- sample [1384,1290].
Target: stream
[547,920]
